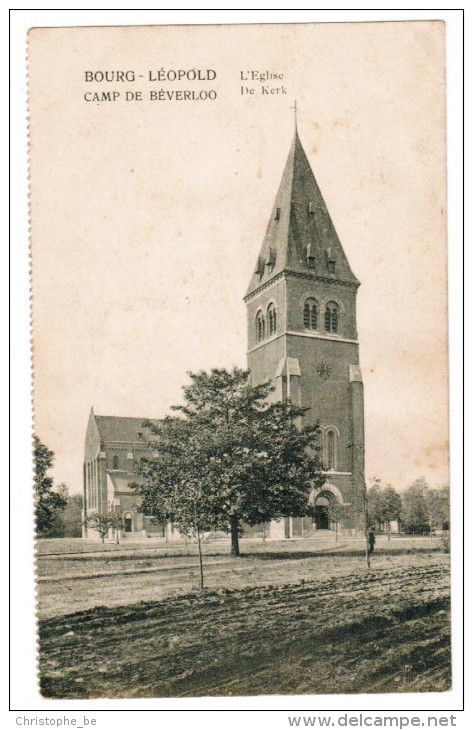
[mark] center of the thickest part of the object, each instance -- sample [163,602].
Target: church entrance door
[127,524]
[321,517]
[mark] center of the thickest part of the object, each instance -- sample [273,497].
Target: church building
[302,335]
[114,446]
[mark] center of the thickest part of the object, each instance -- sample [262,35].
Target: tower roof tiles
[300,236]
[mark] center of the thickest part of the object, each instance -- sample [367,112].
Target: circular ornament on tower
[323,370]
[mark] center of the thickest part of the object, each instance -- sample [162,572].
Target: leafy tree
[336,513]
[180,499]
[229,457]
[103,522]
[117,524]
[72,516]
[63,490]
[415,515]
[375,504]
[384,505]
[438,507]
[48,503]
[77,500]
[391,506]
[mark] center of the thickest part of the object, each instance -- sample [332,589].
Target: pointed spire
[300,236]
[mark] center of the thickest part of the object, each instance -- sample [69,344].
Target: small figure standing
[371,540]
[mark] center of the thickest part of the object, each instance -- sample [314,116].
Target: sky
[147,217]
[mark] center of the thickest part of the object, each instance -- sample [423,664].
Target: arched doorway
[128,522]
[321,512]
[321,502]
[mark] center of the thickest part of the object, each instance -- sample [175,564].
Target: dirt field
[70,582]
[272,622]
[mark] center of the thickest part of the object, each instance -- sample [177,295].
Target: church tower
[302,333]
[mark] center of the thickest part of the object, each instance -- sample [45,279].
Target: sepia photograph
[240,356]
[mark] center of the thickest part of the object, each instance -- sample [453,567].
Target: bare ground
[387,630]
[73,582]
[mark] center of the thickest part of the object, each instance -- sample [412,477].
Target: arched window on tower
[115,462]
[331,449]
[259,326]
[332,317]
[310,314]
[271,317]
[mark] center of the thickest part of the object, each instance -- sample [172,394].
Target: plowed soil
[386,630]
[70,581]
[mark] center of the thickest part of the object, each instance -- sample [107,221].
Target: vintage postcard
[239,305]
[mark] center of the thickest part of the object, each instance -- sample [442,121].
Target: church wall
[358,415]
[298,288]
[92,441]
[102,478]
[358,439]
[343,482]
[98,461]
[264,360]
[274,293]
[122,450]
[329,399]
[129,504]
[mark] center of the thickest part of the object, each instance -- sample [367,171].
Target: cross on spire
[295,112]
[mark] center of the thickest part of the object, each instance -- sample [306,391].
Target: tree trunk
[366,521]
[235,551]
[200,560]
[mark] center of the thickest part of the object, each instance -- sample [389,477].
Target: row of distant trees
[418,509]
[57,513]
[67,521]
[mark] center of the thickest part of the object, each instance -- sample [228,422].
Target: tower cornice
[310,335]
[300,275]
